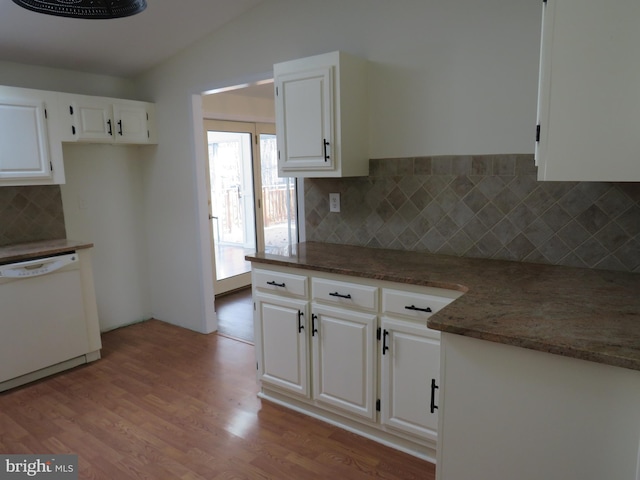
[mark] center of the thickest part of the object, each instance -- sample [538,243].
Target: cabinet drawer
[409,304]
[346,294]
[279,282]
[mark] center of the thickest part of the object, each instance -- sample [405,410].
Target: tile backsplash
[489,206]
[29,214]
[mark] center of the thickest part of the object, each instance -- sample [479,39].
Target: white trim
[207,294]
[302,230]
[236,118]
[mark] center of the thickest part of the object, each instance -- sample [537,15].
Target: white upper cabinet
[30,149]
[132,122]
[34,123]
[106,120]
[321,116]
[589,101]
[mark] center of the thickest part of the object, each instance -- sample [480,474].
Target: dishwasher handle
[38,267]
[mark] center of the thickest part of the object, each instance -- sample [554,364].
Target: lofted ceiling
[123,47]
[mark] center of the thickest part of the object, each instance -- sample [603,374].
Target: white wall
[101,205]
[69,81]
[238,107]
[457,77]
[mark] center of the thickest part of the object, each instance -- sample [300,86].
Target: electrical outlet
[334,202]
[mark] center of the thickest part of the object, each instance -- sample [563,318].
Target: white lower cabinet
[344,354]
[352,351]
[284,358]
[410,377]
[411,360]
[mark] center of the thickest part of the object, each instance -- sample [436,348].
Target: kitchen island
[540,364]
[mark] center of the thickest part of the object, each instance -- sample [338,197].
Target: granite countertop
[576,312]
[26,251]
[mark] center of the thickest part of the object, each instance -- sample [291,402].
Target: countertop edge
[362,274]
[544,347]
[26,251]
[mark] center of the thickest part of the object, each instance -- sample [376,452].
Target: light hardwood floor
[169,403]
[235,314]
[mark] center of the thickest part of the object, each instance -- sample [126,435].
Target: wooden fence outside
[274,204]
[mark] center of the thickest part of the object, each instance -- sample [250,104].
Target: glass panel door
[240,187]
[279,216]
[231,205]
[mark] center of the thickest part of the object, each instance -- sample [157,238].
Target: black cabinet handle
[110,129]
[120,127]
[418,309]
[300,326]
[336,294]
[326,144]
[385,347]
[433,395]
[314,330]
[275,284]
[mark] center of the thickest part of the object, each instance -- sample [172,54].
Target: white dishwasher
[43,319]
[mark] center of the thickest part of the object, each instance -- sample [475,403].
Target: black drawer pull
[336,294]
[300,326]
[433,395]
[314,330]
[275,284]
[418,309]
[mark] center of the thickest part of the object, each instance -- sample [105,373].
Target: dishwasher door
[42,318]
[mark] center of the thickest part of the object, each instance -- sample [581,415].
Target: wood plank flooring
[168,403]
[235,314]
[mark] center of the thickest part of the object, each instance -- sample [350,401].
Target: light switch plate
[334,202]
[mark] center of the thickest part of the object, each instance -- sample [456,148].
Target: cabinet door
[24,141]
[410,365]
[92,121]
[304,120]
[105,120]
[344,359]
[283,353]
[130,123]
[589,105]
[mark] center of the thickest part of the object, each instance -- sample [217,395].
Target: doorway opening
[251,208]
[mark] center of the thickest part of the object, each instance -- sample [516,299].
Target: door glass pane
[231,201]
[279,200]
